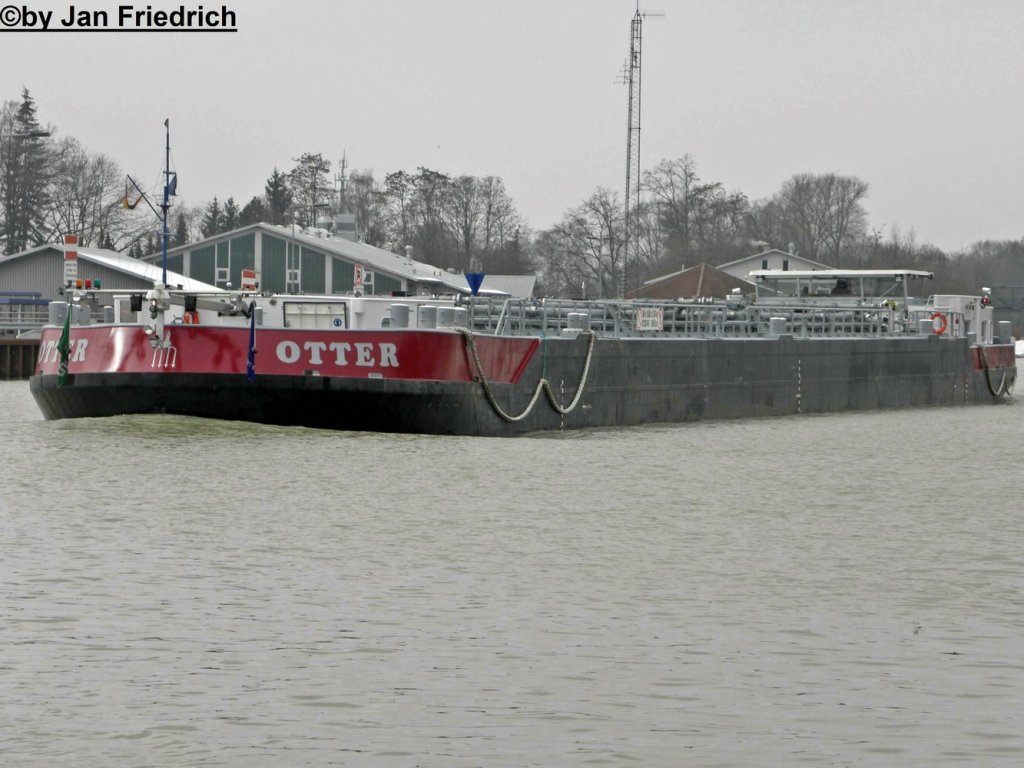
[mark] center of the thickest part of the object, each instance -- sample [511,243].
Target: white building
[770,259]
[40,271]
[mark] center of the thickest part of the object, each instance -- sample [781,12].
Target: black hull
[629,382]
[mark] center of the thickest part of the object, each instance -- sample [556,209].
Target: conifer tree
[25,163]
[254,212]
[279,198]
[180,230]
[229,216]
[212,219]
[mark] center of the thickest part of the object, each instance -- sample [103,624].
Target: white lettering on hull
[48,352]
[362,354]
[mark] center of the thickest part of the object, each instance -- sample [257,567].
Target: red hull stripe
[423,355]
[1001,356]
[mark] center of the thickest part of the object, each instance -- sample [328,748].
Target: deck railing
[17,318]
[696,319]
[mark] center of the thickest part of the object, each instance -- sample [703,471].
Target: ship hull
[624,382]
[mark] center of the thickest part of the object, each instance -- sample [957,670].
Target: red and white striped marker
[70,259]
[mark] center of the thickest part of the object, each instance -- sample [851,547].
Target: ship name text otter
[364,354]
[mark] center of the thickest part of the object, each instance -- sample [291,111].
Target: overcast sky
[921,99]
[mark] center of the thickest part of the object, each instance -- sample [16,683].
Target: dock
[20,312]
[17,357]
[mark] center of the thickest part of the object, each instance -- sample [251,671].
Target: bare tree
[653,259]
[670,187]
[820,214]
[846,217]
[87,198]
[500,219]
[467,212]
[368,201]
[697,221]
[587,248]
[431,209]
[398,190]
[310,189]
[767,223]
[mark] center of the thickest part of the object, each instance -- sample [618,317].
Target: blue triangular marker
[475,280]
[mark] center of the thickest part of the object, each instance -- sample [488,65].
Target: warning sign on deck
[650,319]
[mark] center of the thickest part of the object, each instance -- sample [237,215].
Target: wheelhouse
[837,287]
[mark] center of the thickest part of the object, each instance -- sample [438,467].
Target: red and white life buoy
[943,323]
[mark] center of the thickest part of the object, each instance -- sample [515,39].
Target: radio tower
[631,75]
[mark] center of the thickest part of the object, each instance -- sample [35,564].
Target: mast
[632,141]
[632,76]
[165,206]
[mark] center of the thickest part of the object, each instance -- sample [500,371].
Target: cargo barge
[800,342]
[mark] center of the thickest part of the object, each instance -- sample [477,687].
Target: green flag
[64,347]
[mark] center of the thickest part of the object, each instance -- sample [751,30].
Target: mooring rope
[542,386]
[1002,389]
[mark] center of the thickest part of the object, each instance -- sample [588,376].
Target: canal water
[842,590]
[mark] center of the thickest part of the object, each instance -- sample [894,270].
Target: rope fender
[542,385]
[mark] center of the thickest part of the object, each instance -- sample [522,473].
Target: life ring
[943,323]
[191,318]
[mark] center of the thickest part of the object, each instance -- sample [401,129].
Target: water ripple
[803,591]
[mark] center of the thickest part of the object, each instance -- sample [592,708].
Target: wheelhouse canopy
[837,284]
[834,274]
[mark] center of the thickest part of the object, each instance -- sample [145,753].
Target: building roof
[519,286]
[129,266]
[702,280]
[376,259]
[774,251]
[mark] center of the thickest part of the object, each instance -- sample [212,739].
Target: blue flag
[64,347]
[172,186]
[250,365]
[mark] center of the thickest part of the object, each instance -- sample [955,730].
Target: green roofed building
[293,259]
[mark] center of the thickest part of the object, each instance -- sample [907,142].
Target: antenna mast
[341,179]
[632,76]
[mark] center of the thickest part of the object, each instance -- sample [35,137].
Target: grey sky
[920,99]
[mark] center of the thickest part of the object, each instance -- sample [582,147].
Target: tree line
[466,223]
[51,186]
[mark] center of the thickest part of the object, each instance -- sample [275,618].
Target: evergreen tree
[279,198]
[212,218]
[229,217]
[25,163]
[254,212]
[180,230]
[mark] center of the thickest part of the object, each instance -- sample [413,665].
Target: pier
[20,311]
[17,357]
